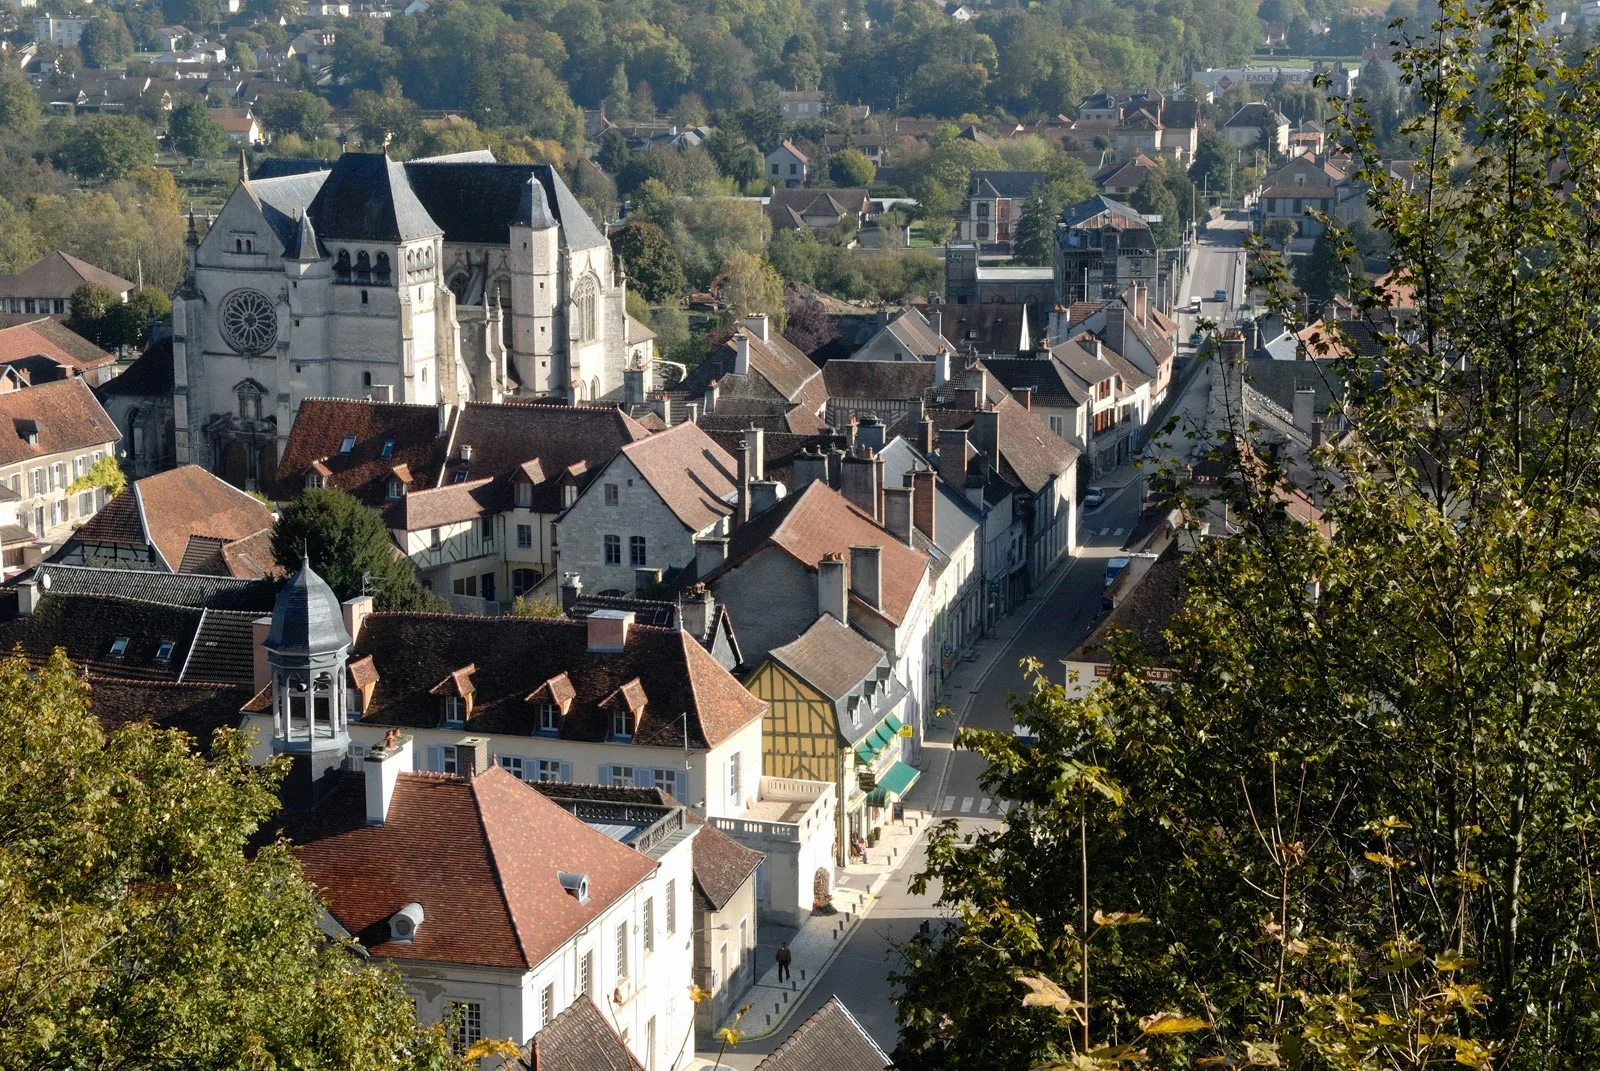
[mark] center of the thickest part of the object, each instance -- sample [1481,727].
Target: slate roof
[777,371]
[515,657]
[65,414]
[307,617]
[993,327]
[1013,184]
[475,202]
[1031,455]
[213,592]
[914,332]
[1099,211]
[579,1039]
[170,510]
[150,374]
[831,657]
[869,380]
[1131,173]
[820,521]
[321,425]
[1091,360]
[283,199]
[829,1040]
[721,866]
[366,197]
[740,414]
[57,275]
[827,201]
[1052,382]
[53,339]
[481,856]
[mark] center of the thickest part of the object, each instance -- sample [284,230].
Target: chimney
[953,457]
[691,413]
[1060,325]
[1115,331]
[696,609]
[924,507]
[709,554]
[833,588]
[1023,395]
[383,766]
[741,354]
[711,397]
[757,438]
[261,669]
[859,483]
[936,321]
[809,466]
[742,507]
[926,440]
[27,598]
[941,367]
[757,324]
[472,756]
[1143,312]
[1318,431]
[608,630]
[870,432]
[633,387]
[851,427]
[763,496]
[1305,408]
[356,612]
[446,412]
[897,512]
[466,452]
[986,435]
[571,590]
[866,575]
[836,458]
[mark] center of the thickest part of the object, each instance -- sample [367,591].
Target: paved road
[1219,265]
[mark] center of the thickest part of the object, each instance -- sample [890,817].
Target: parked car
[1196,338]
[1094,498]
[1220,295]
[1195,304]
[1114,569]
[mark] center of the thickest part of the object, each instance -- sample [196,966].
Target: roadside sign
[906,731]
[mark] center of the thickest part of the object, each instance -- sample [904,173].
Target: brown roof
[579,1039]
[504,437]
[434,506]
[481,856]
[64,414]
[57,275]
[820,521]
[251,556]
[831,657]
[993,327]
[1144,612]
[172,507]
[689,471]
[321,425]
[516,656]
[197,709]
[740,414]
[777,370]
[830,1040]
[1030,453]
[721,867]
[51,339]
[868,380]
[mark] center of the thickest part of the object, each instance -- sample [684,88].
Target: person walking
[784,958]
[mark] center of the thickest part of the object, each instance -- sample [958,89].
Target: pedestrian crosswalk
[1111,532]
[985,806]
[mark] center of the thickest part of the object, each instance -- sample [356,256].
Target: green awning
[880,738]
[893,723]
[866,752]
[894,782]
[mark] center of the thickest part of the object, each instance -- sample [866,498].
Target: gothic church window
[381,270]
[586,299]
[341,266]
[363,267]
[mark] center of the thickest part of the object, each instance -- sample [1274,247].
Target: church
[440,280]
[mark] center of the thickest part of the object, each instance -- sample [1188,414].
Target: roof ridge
[494,863]
[370,401]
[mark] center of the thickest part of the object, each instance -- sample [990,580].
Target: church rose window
[249,322]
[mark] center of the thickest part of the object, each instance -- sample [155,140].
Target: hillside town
[800,537]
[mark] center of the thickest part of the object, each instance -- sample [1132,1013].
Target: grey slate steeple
[305,241]
[533,210]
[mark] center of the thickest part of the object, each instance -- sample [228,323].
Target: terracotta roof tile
[65,414]
[1144,612]
[320,428]
[830,1040]
[197,709]
[251,556]
[777,370]
[48,338]
[186,502]
[721,867]
[692,474]
[506,436]
[516,656]
[579,1039]
[480,856]
[450,504]
[869,380]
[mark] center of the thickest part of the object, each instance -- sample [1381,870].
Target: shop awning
[893,783]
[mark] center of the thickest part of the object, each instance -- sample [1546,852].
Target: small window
[119,647]
[548,715]
[512,764]
[547,1006]
[388,444]
[363,297]
[672,907]
[622,725]
[524,536]
[735,784]
[552,770]
[396,489]
[636,551]
[464,1023]
[164,652]
[524,495]
[433,538]
[455,711]
[348,445]
[647,925]
[622,952]
[486,529]
[460,477]
[613,548]
[611,494]
[586,975]
[366,381]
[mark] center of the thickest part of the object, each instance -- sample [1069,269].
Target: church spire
[244,166]
[305,240]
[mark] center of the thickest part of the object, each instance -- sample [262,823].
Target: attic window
[119,647]
[549,717]
[164,652]
[348,445]
[461,476]
[396,489]
[388,448]
[622,724]
[524,495]
[455,710]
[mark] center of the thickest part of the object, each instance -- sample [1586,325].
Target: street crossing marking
[1105,531]
[966,804]
[987,805]
[1116,532]
[949,803]
[1005,805]
[983,808]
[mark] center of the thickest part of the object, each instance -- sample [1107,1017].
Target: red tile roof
[721,866]
[48,338]
[689,472]
[579,1039]
[481,856]
[65,415]
[57,275]
[320,428]
[450,504]
[504,437]
[188,501]
[516,656]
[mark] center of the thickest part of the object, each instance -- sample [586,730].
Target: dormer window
[622,725]
[313,481]
[164,652]
[348,445]
[549,717]
[569,495]
[396,489]
[455,710]
[119,647]
[461,476]
[524,495]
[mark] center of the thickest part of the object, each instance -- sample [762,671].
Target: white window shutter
[566,772]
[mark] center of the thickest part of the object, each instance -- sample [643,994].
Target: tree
[526,606]
[653,265]
[105,473]
[614,152]
[1153,198]
[194,131]
[105,41]
[139,916]
[1033,238]
[350,549]
[94,315]
[295,111]
[1280,231]
[750,285]
[1327,270]
[1354,811]
[1211,168]
[794,254]
[19,107]
[850,167]
[106,147]
[807,324]
[133,319]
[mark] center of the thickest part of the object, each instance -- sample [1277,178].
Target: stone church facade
[441,280]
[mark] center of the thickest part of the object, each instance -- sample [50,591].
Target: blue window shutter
[605,773]
[436,759]
[566,772]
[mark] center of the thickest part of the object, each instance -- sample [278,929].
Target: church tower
[307,649]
